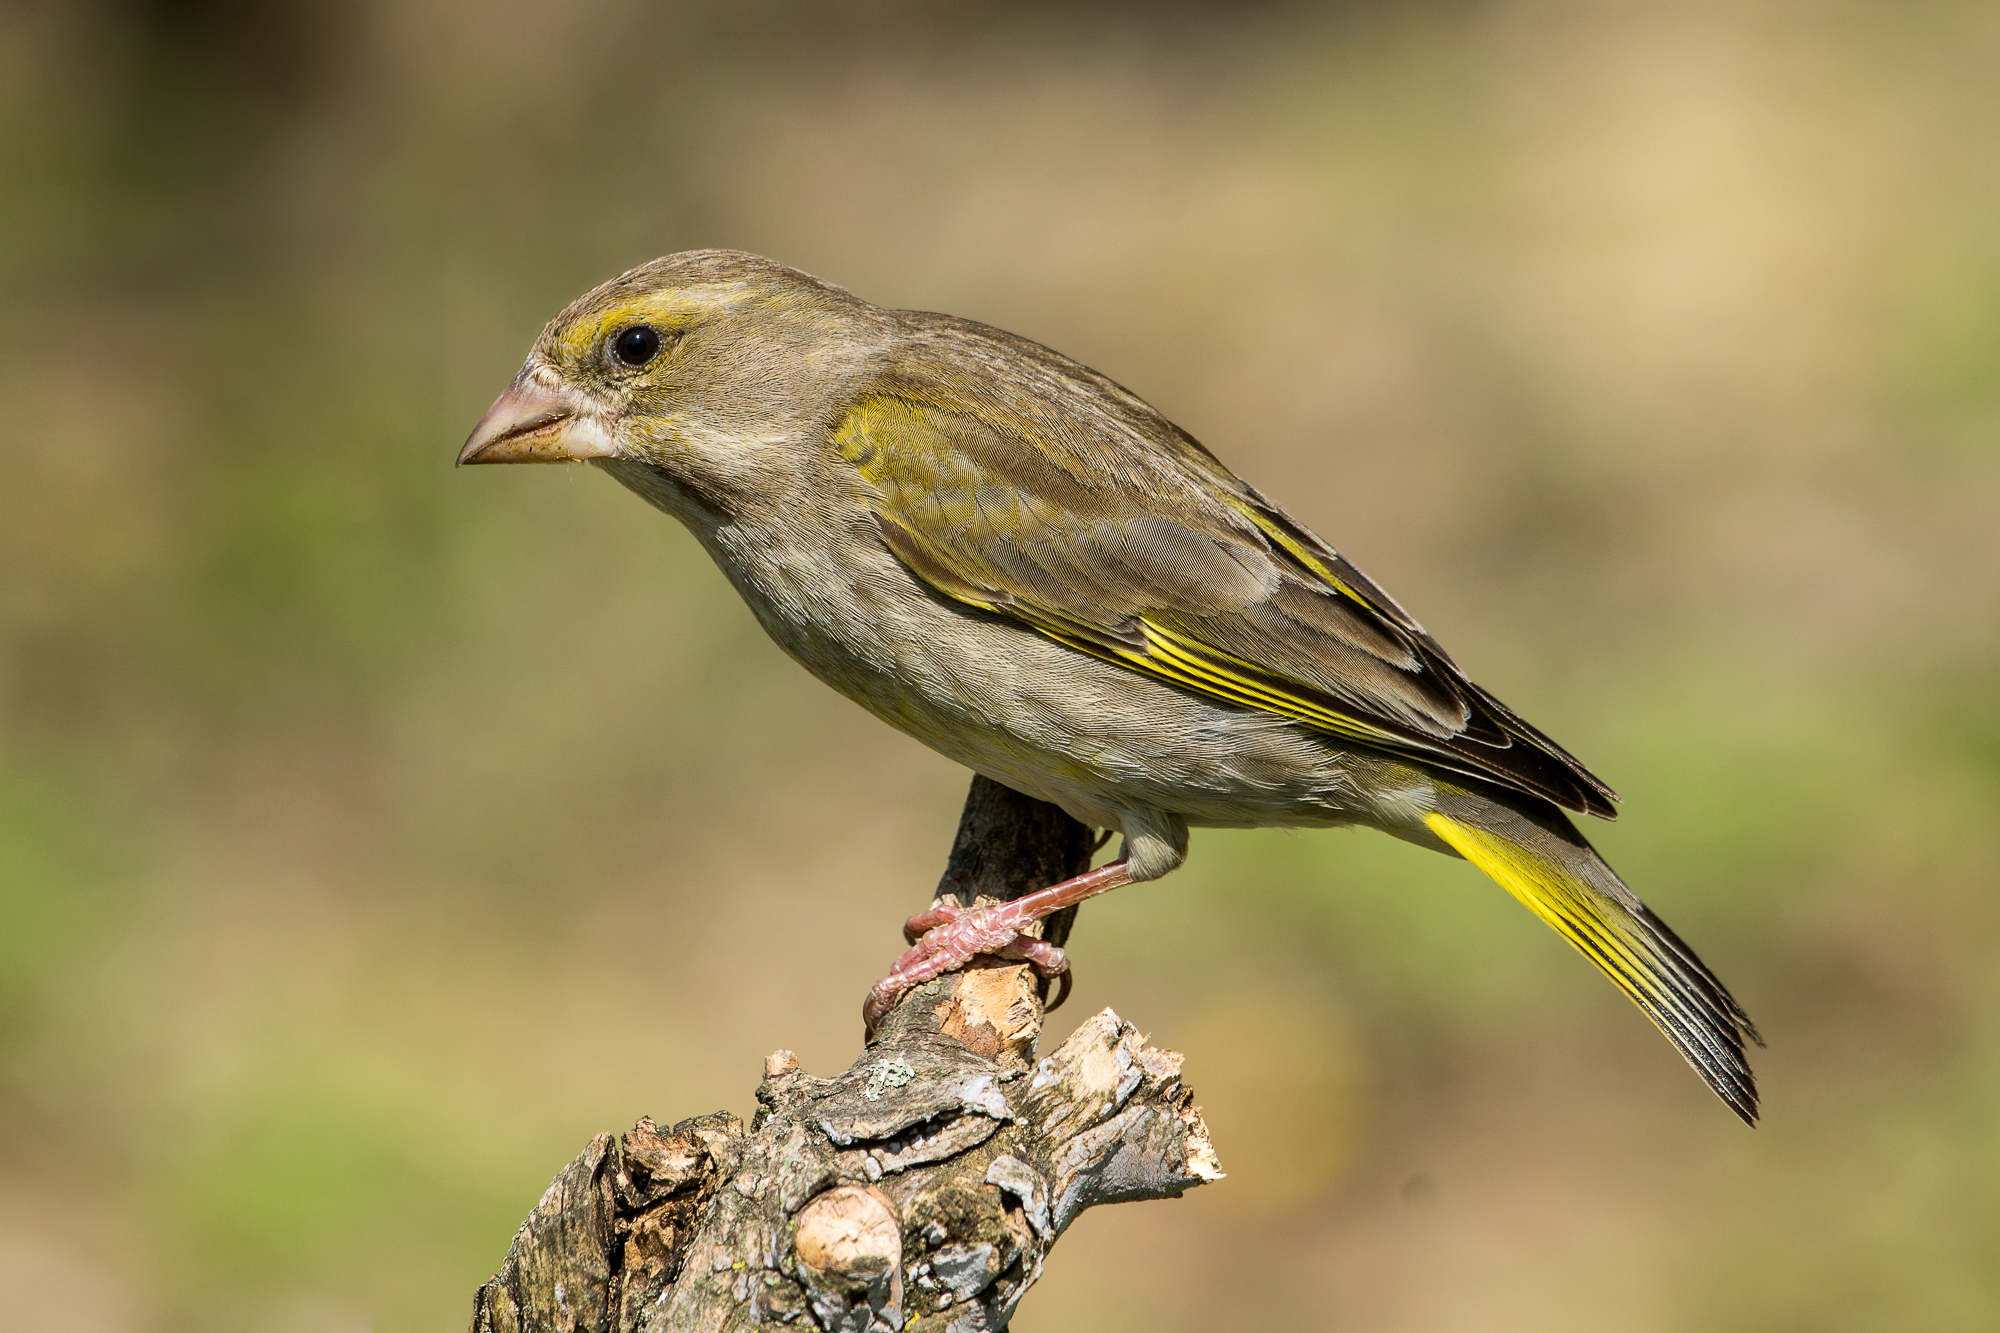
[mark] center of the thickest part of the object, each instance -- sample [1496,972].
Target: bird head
[696,372]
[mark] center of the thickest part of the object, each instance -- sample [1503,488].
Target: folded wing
[1079,511]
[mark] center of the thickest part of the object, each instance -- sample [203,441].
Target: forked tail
[1540,858]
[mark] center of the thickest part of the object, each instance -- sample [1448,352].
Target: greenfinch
[1020,563]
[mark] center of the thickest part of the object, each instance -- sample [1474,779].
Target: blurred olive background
[371,835]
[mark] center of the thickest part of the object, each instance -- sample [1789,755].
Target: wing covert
[1087,516]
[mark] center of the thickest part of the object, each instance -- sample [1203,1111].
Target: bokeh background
[371,835]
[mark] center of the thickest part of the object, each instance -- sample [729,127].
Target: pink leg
[947,937]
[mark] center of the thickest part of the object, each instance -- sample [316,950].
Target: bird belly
[1096,739]
[1113,748]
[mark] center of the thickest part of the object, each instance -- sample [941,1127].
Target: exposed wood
[921,1189]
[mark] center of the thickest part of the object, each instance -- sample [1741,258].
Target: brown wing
[1058,499]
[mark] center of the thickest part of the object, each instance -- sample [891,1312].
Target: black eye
[637,345]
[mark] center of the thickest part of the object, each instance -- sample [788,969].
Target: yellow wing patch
[1187,661]
[1160,651]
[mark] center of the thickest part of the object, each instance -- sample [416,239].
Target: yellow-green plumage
[1024,565]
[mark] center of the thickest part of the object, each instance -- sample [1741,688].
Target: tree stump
[922,1189]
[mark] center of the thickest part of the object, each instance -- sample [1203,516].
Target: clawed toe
[1047,960]
[923,923]
[948,936]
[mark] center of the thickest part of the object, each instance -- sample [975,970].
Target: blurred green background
[371,835]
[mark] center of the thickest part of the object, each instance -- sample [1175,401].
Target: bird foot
[948,936]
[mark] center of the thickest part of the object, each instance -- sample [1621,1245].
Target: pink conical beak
[537,421]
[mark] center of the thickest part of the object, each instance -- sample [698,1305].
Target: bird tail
[1538,856]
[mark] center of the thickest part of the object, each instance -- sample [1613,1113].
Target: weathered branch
[921,1189]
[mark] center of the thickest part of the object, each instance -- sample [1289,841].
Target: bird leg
[948,936]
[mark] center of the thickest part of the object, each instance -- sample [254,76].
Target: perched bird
[1029,569]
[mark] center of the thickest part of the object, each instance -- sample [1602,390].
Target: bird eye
[637,345]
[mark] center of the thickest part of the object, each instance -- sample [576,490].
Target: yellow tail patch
[1574,909]
[1631,946]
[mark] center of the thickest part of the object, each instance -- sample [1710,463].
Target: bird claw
[1050,1006]
[948,936]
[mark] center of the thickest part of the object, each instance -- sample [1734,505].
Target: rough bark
[921,1189]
